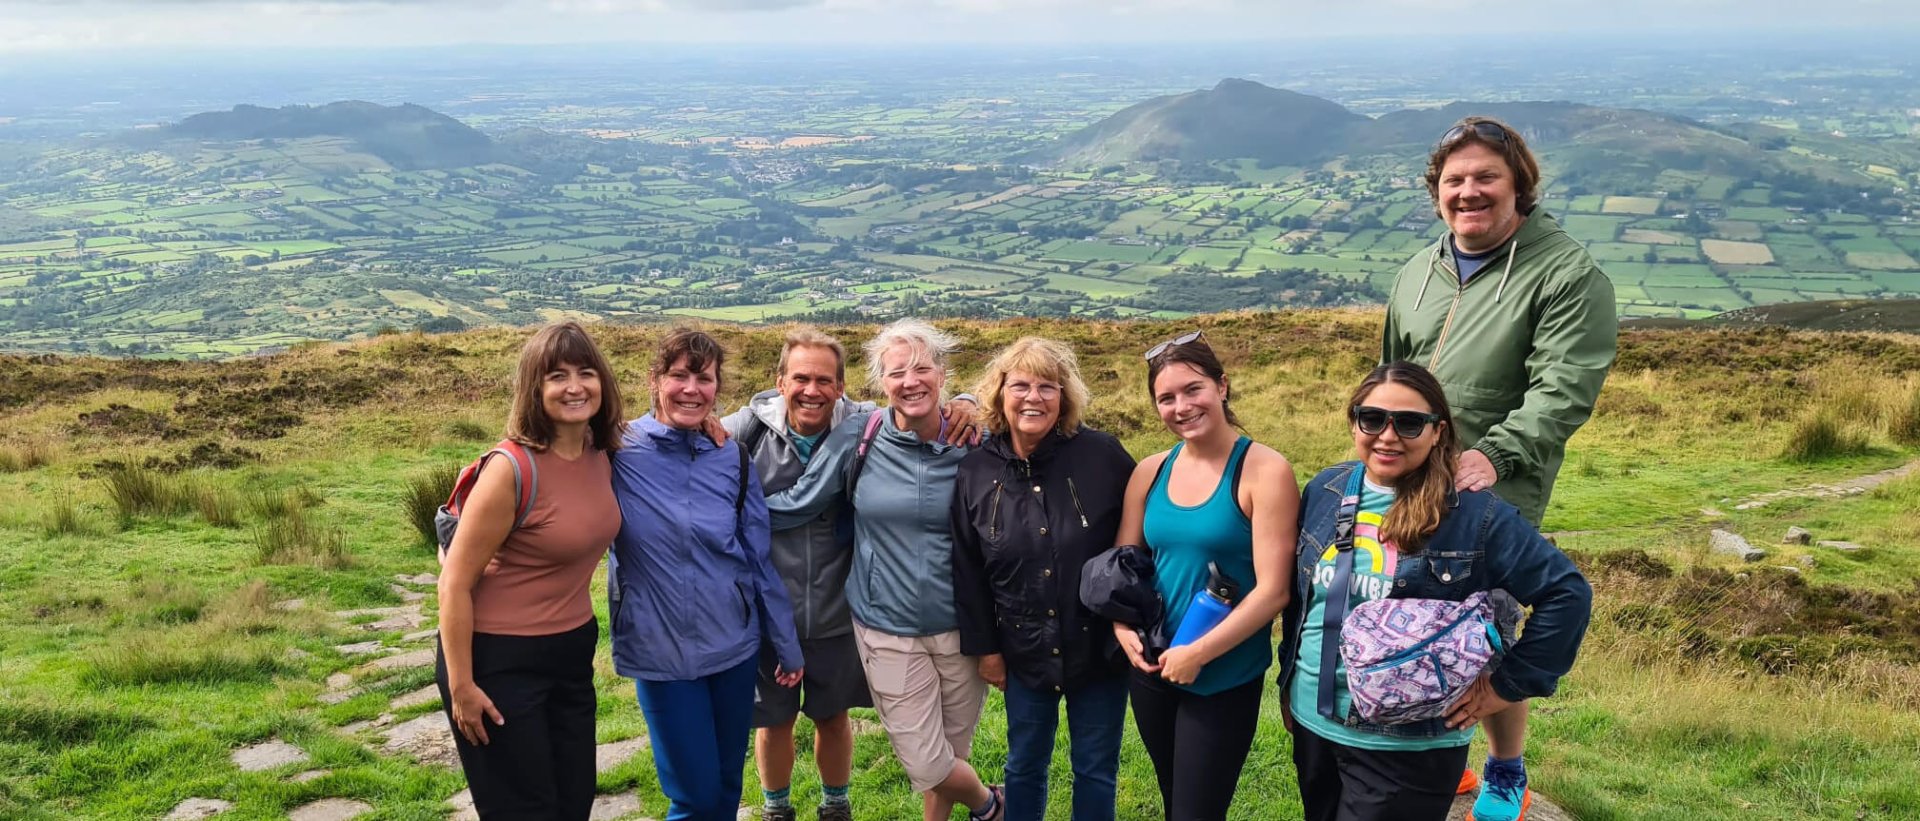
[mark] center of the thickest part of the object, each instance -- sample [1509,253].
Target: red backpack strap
[860,451]
[524,468]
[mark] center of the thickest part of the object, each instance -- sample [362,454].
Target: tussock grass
[1823,435]
[62,516]
[269,505]
[467,430]
[178,658]
[218,506]
[293,537]
[22,456]
[166,601]
[1903,426]
[53,726]
[423,497]
[138,491]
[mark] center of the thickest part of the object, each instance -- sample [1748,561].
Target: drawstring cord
[1511,253]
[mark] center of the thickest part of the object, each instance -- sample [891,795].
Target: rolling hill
[408,136]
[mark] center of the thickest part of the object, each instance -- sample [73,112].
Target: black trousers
[539,764]
[1198,743]
[1342,783]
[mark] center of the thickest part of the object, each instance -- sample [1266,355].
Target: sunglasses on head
[1489,131]
[1406,424]
[1155,351]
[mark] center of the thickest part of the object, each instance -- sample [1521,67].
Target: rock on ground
[330,809]
[1797,535]
[608,756]
[611,807]
[1732,544]
[360,648]
[428,738]
[429,694]
[194,808]
[310,775]
[1844,547]
[1541,810]
[267,755]
[424,579]
[417,658]
[462,804]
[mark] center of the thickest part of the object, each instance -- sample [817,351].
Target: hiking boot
[1469,781]
[777,814]
[1503,796]
[836,812]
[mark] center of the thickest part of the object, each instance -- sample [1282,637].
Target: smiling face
[1190,403]
[683,397]
[1476,198]
[1031,405]
[811,386]
[570,394]
[1387,456]
[911,381]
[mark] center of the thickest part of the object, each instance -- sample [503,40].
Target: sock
[986,810]
[1507,770]
[781,799]
[835,795]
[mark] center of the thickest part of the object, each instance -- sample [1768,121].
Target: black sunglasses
[1155,351]
[1406,424]
[1489,131]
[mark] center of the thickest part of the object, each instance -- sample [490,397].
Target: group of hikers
[812,554]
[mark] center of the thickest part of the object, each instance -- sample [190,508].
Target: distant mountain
[1241,119]
[407,136]
[1237,118]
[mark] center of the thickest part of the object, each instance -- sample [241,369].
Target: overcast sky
[70,25]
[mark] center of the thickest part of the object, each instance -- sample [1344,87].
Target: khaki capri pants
[929,698]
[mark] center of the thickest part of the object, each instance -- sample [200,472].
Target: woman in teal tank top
[1216,497]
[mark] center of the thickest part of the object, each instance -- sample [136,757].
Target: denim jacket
[1483,544]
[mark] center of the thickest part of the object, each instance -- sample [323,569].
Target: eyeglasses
[1490,131]
[1155,351]
[1406,424]
[1021,390]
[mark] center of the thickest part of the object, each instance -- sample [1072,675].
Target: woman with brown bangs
[1392,526]
[515,662]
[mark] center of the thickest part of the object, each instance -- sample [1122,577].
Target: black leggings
[1198,743]
[538,765]
[1342,783]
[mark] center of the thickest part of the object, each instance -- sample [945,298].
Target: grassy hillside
[164,513]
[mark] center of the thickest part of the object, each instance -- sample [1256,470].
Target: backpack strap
[752,434]
[740,499]
[526,483]
[1338,592]
[860,452]
[1239,457]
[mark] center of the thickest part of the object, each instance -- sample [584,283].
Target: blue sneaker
[1503,794]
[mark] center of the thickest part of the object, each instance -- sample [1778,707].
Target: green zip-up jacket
[1522,348]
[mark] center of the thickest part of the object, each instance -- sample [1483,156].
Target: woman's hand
[1181,665]
[471,708]
[1136,651]
[1480,701]
[714,430]
[786,679]
[993,668]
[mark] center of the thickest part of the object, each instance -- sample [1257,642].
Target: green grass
[132,661]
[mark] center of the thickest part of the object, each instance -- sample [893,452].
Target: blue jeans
[699,730]
[1096,717]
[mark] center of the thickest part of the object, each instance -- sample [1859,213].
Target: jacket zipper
[993,516]
[1071,491]
[1460,289]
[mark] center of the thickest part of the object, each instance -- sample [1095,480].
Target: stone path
[1541,810]
[194,808]
[267,755]
[330,809]
[1850,487]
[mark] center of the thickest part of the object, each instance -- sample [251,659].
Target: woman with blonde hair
[897,472]
[515,660]
[1030,506]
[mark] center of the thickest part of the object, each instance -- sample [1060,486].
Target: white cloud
[38,25]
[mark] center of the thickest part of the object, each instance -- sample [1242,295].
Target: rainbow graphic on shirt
[1374,563]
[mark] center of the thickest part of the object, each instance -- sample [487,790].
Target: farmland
[839,207]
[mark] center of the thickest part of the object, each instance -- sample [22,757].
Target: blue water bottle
[1210,607]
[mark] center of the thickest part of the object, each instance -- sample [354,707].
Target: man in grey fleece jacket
[780,428]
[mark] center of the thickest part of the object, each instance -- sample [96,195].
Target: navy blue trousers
[699,732]
[1096,720]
